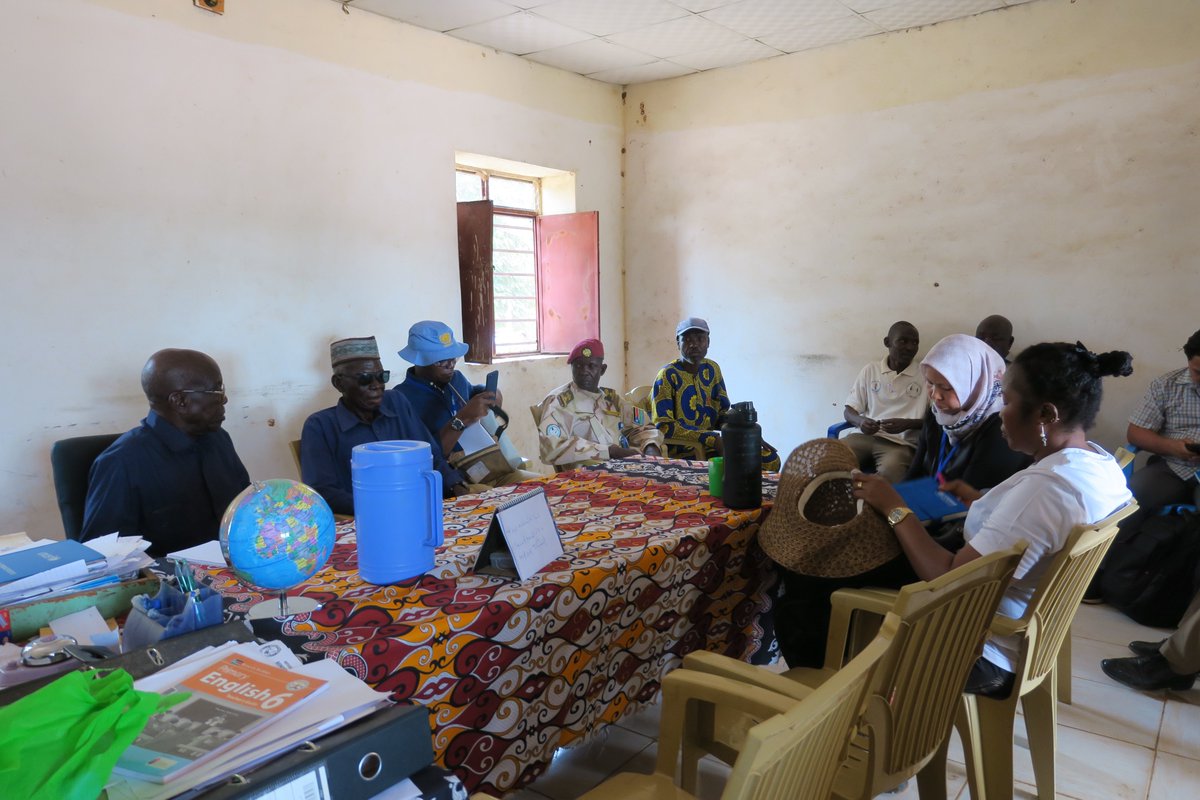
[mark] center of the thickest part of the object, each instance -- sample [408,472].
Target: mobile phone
[1194,447]
[492,379]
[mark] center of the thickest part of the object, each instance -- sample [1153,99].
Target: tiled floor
[1113,743]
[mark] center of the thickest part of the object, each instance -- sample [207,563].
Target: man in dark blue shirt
[170,479]
[446,401]
[365,413]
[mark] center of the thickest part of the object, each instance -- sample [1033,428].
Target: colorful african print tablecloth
[511,671]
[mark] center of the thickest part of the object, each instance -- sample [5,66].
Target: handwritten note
[529,531]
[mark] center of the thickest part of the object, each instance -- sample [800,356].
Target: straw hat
[816,527]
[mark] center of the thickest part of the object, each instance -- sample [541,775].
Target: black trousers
[802,616]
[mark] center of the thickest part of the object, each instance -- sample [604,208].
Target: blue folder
[23,563]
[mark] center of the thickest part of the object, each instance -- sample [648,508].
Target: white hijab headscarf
[974,370]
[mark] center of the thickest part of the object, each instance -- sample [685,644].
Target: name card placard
[524,529]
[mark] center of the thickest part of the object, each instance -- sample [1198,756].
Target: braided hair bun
[1114,363]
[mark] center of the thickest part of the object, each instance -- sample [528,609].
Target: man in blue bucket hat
[449,404]
[365,413]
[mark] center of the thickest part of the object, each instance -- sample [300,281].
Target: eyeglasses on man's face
[367,378]
[219,391]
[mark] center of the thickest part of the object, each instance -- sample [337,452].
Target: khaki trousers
[889,459]
[1182,648]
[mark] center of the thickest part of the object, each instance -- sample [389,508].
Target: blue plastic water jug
[397,509]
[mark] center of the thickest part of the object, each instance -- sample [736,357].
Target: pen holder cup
[168,614]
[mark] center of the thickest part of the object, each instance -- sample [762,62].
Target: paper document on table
[85,627]
[474,438]
[43,582]
[404,790]
[274,653]
[10,542]
[207,554]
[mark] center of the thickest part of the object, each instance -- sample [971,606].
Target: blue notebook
[928,502]
[23,563]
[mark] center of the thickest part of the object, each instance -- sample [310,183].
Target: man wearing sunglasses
[365,413]
[170,479]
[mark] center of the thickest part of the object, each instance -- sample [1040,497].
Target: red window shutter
[475,279]
[568,252]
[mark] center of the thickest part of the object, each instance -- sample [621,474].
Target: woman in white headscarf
[960,439]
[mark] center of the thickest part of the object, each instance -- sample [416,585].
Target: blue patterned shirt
[690,406]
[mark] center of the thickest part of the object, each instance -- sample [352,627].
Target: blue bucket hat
[429,342]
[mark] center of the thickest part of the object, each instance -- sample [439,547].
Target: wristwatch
[457,424]
[897,515]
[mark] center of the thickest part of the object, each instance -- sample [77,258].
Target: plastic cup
[716,475]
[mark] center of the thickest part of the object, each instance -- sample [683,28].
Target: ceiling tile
[756,18]
[864,5]
[593,55]
[437,15]
[697,6]
[927,12]
[679,36]
[806,37]
[527,3]
[520,33]
[610,16]
[659,70]
[727,55]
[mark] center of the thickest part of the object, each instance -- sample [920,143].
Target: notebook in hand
[929,502]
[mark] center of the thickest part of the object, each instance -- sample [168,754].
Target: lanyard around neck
[455,400]
[942,461]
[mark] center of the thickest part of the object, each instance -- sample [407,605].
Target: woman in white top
[1052,393]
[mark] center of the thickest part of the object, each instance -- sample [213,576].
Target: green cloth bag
[63,740]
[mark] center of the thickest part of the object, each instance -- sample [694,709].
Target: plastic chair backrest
[71,461]
[640,397]
[294,446]
[915,692]
[796,755]
[1125,456]
[836,429]
[1060,589]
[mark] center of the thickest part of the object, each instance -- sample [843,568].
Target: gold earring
[1042,429]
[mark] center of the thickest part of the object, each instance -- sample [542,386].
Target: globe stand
[286,607]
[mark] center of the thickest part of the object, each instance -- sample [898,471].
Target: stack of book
[248,703]
[47,568]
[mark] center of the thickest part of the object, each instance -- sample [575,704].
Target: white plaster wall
[1042,162]
[253,186]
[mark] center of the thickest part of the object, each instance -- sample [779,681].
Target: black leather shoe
[1147,673]
[988,680]
[1146,648]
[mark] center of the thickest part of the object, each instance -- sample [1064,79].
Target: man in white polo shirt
[887,404]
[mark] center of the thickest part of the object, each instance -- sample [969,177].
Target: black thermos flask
[742,440]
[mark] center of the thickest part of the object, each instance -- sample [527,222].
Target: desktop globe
[275,535]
